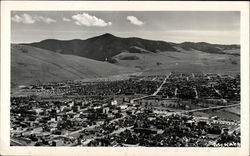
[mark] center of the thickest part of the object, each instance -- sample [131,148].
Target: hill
[102,47]
[56,60]
[184,61]
[31,65]
[209,48]
[107,46]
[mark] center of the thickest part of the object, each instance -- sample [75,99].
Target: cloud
[25,18]
[66,19]
[89,20]
[44,19]
[28,19]
[135,21]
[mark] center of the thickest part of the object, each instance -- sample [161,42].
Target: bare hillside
[184,61]
[35,65]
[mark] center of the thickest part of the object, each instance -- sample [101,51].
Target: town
[174,110]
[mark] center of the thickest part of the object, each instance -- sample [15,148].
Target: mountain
[102,47]
[31,65]
[57,60]
[107,46]
[209,48]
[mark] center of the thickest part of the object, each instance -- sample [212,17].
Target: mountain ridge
[100,47]
[106,46]
[56,60]
[109,34]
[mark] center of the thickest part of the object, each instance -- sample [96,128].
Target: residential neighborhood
[174,110]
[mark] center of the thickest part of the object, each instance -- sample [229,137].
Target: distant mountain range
[107,45]
[107,55]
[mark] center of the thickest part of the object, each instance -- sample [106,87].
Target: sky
[220,27]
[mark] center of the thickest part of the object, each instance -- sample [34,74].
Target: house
[105,110]
[123,107]
[114,102]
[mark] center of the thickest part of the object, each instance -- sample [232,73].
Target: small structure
[114,102]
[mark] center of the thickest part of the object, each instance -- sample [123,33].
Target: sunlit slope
[32,65]
[183,61]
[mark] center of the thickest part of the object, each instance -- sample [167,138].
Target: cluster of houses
[126,112]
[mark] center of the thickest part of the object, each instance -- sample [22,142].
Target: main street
[159,88]
[156,92]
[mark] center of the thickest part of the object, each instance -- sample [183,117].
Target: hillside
[102,47]
[209,48]
[56,60]
[107,46]
[33,65]
[185,61]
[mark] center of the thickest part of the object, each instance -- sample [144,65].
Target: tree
[158,63]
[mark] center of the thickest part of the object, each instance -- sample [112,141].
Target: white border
[7,6]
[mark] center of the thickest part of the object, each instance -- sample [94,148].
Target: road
[84,128]
[156,92]
[143,97]
[154,78]
[197,110]
[218,92]
[175,92]
[142,78]
[209,108]
[158,89]
[196,93]
[193,75]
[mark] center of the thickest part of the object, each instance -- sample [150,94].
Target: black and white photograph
[126,78]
